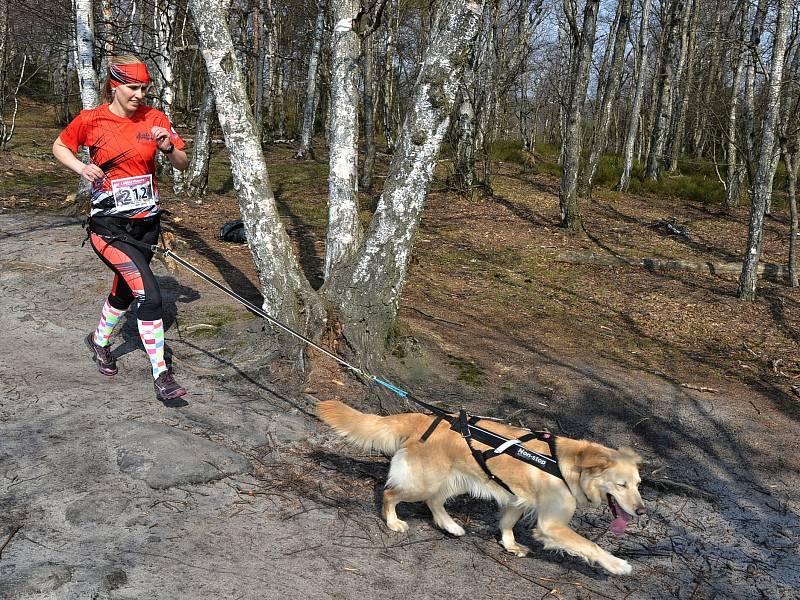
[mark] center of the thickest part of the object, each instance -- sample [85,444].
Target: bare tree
[368,79]
[367,289]
[735,168]
[684,76]
[663,85]
[84,34]
[583,45]
[389,107]
[344,227]
[762,185]
[633,120]
[608,90]
[287,294]
[196,177]
[312,91]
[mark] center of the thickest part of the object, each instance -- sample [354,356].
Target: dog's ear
[630,455]
[593,457]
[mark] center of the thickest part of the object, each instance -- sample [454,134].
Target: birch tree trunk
[735,169]
[790,148]
[389,112]
[3,40]
[465,132]
[84,39]
[369,112]
[287,294]
[663,111]
[197,174]
[792,168]
[310,106]
[611,84]
[633,123]
[749,107]
[762,186]
[582,57]
[268,70]
[164,19]
[684,76]
[61,79]
[259,52]
[711,84]
[344,227]
[367,289]
[109,41]
[279,104]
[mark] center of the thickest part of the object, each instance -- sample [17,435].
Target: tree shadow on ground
[234,277]
[697,246]
[523,212]
[310,261]
[59,223]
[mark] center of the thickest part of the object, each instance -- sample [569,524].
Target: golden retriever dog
[443,467]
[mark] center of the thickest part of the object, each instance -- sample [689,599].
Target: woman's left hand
[162,138]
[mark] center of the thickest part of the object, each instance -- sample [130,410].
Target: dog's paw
[617,566]
[454,529]
[397,525]
[517,549]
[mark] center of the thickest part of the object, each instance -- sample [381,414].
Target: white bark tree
[287,294]
[196,177]
[389,109]
[312,92]
[84,38]
[608,91]
[368,79]
[367,289]
[633,121]
[664,82]
[344,227]
[580,63]
[164,12]
[735,169]
[762,185]
[684,78]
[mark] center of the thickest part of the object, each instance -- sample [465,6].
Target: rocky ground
[240,493]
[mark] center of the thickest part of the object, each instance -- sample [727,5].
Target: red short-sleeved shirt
[124,148]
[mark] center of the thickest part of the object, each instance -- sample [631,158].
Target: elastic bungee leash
[463,423]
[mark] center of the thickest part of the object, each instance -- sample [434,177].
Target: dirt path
[107,494]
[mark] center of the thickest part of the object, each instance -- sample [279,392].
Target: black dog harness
[469,430]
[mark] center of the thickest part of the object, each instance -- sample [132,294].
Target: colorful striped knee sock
[108,318]
[152,334]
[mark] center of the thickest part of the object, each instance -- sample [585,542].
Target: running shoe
[167,388]
[106,363]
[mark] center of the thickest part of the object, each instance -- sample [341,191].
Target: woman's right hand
[92,173]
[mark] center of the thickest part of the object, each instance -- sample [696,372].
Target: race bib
[133,192]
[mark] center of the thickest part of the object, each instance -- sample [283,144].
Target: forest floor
[240,493]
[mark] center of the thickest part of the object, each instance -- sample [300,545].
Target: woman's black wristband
[170,150]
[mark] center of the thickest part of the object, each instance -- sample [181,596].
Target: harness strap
[118,233]
[464,426]
[434,424]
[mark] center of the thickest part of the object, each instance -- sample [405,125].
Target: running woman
[122,136]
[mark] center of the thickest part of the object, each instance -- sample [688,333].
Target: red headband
[133,74]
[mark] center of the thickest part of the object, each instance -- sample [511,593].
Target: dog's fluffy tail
[370,432]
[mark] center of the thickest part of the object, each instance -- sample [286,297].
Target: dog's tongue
[620,523]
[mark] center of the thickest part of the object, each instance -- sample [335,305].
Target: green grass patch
[207,324]
[468,371]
